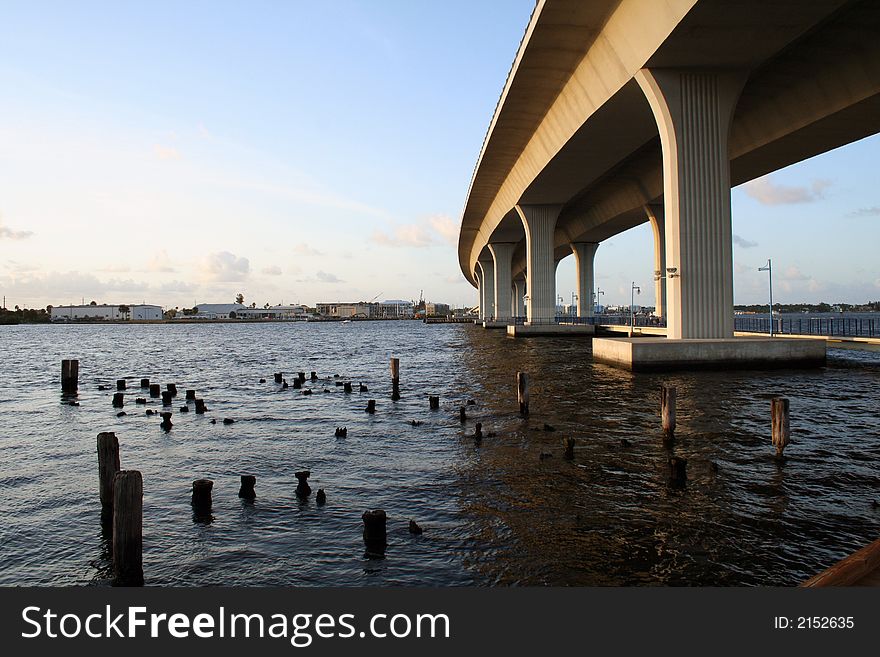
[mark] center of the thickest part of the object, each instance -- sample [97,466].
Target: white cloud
[304,249]
[446,227]
[325,277]
[743,243]
[160,263]
[271,270]
[873,211]
[225,267]
[406,235]
[794,273]
[166,152]
[767,192]
[7,233]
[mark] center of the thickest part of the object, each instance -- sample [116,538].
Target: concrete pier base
[529,330]
[661,354]
[494,325]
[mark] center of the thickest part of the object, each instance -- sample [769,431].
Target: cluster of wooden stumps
[779,411]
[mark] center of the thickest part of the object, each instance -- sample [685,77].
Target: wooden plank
[852,570]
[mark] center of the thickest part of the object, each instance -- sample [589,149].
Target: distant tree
[254,304]
[195,310]
[171,313]
[49,309]
[124,310]
[93,303]
[239,298]
[17,309]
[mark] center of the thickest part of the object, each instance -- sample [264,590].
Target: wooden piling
[172,388]
[167,398]
[120,384]
[302,377]
[779,421]
[522,392]
[313,376]
[118,399]
[677,470]
[667,410]
[190,395]
[201,494]
[166,421]
[395,379]
[128,512]
[568,448]
[279,376]
[462,415]
[433,402]
[108,466]
[303,489]
[155,390]
[69,375]
[346,387]
[297,384]
[371,406]
[200,406]
[247,487]
[145,383]
[375,533]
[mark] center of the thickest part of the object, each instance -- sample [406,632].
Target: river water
[496,513]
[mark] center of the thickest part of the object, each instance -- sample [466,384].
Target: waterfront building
[432,308]
[218,310]
[345,310]
[396,308]
[283,312]
[105,311]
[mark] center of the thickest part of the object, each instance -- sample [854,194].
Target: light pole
[769,269]
[598,292]
[632,305]
[573,309]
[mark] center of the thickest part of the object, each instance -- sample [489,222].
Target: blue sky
[303,152]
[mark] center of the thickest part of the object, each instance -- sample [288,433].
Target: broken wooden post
[302,377]
[433,402]
[462,415]
[118,399]
[69,375]
[279,376]
[201,494]
[779,421]
[108,466]
[677,470]
[371,406]
[522,392]
[375,533]
[667,410]
[247,487]
[321,496]
[200,406]
[172,388]
[395,379]
[128,519]
[346,387]
[190,395]
[313,376]
[145,383]
[568,445]
[303,489]
[166,421]
[120,384]
[166,398]
[155,390]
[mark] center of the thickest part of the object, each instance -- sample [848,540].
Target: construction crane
[375,297]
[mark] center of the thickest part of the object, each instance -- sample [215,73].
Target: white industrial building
[284,312]
[136,311]
[218,310]
[396,308]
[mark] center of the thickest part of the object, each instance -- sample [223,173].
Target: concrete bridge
[621,112]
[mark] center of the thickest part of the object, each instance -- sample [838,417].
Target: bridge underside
[649,112]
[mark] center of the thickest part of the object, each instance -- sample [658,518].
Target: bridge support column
[481,303]
[658,226]
[502,254]
[539,222]
[584,256]
[519,291]
[487,289]
[693,110]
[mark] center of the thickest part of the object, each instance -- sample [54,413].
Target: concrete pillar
[519,287]
[502,254]
[693,110]
[481,291]
[539,222]
[488,287]
[658,227]
[584,256]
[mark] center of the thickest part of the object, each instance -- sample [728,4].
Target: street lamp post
[598,292]
[632,305]
[769,269]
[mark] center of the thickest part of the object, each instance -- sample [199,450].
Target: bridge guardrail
[844,327]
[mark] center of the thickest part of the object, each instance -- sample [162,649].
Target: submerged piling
[433,402]
[201,494]
[303,489]
[190,395]
[522,392]
[371,406]
[279,376]
[120,384]
[780,425]
[248,482]
[167,398]
[145,383]
[667,410]
[172,388]
[108,466]
[677,471]
[69,375]
[128,512]
[155,390]
[568,448]
[395,379]
[375,534]
[118,399]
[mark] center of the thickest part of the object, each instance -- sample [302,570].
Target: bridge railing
[844,327]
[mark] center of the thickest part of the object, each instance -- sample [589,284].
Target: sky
[300,152]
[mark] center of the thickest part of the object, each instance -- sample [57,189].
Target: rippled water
[496,513]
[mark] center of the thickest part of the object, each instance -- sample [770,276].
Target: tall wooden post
[667,410]
[108,466]
[433,402]
[779,421]
[522,392]
[395,379]
[69,375]
[128,519]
